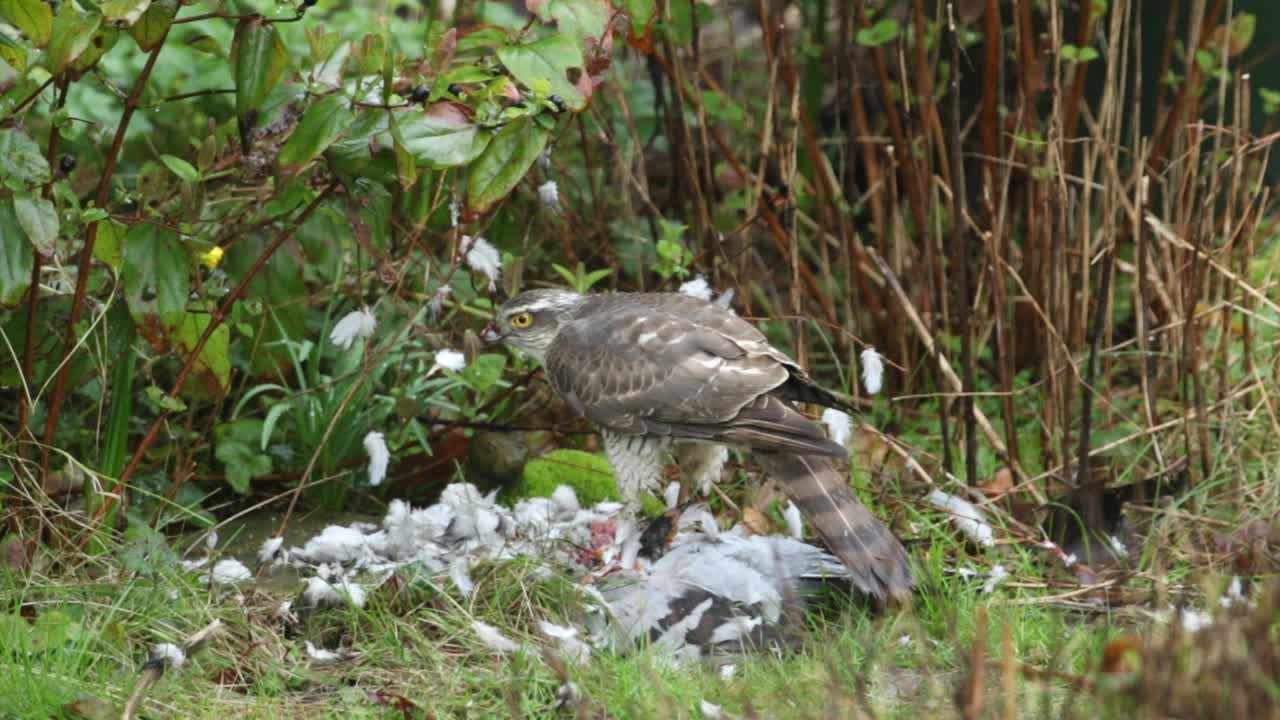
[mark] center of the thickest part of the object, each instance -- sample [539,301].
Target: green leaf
[243,463]
[146,551]
[102,41]
[108,249]
[484,372]
[206,44]
[1207,60]
[1241,29]
[72,32]
[1270,100]
[508,157]
[321,125]
[13,54]
[151,28]
[882,32]
[183,169]
[20,158]
[8,75]
[406,164]
[123,13]
[484,38]
[156,277]
[33,17]
[443,136]
[579,18]
[39,219]
[569,278]
[1071,53]
[260,59]
[269,423]
[211,373]
[547,61]
[642,13]
[16,257]
[163,401]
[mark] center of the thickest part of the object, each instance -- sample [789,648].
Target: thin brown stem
[86,253]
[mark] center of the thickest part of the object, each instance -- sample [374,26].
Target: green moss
[589,475]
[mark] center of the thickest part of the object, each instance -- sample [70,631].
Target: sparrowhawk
[659,372]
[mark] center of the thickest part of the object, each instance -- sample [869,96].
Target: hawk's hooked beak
[491,333]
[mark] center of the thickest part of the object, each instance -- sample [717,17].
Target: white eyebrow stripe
[530,308]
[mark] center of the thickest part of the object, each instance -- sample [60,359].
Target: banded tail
[876,560]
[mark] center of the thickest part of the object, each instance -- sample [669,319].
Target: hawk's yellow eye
[521,320]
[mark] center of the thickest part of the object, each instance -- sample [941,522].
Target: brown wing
[681,367]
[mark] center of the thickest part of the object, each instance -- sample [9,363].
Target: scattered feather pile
[705,591]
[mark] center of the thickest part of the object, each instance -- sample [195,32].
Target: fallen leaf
[1001,483]
[756,522]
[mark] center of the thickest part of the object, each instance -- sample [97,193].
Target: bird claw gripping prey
[664,371]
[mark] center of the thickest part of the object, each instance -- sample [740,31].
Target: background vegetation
[1054,219]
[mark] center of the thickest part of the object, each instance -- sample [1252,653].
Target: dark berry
[66,163]
[419,94]
[558,102]
[455,89]
[308,3]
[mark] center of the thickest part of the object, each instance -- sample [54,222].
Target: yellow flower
[212,257]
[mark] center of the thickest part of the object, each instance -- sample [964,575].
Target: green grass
[71,641]
[78,630]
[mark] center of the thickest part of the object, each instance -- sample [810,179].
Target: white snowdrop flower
[211,540]
[269,548]
[549,195]
[353,326]
[966,516]
[839,426]
[376,445]
[451,360]
[872,371]
[436,304]
[484,258]
[226,572]
[997,575]
[168,653]
[493,638]
[698,288]
[795,526]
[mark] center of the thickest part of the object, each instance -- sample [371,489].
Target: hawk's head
[530,320]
